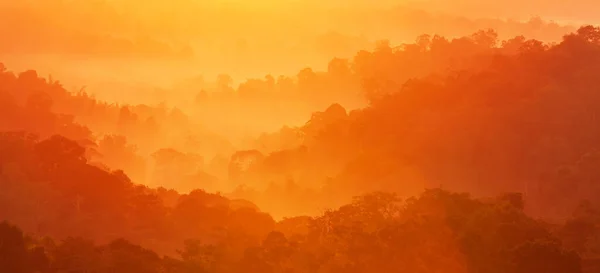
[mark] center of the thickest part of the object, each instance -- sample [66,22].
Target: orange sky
[572,10]
[238,37]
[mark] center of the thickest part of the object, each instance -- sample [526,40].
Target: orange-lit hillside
[298,137]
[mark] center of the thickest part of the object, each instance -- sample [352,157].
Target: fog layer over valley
[296,136]
[327,157]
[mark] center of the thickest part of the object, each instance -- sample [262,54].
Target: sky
[569,11]
[240,37]
[572,10]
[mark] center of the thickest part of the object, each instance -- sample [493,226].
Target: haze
[299,136]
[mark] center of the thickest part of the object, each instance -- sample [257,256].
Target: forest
[113,46]
[467,154]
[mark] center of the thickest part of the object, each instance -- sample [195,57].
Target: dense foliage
[479,116]
[436,232]
[520,116]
